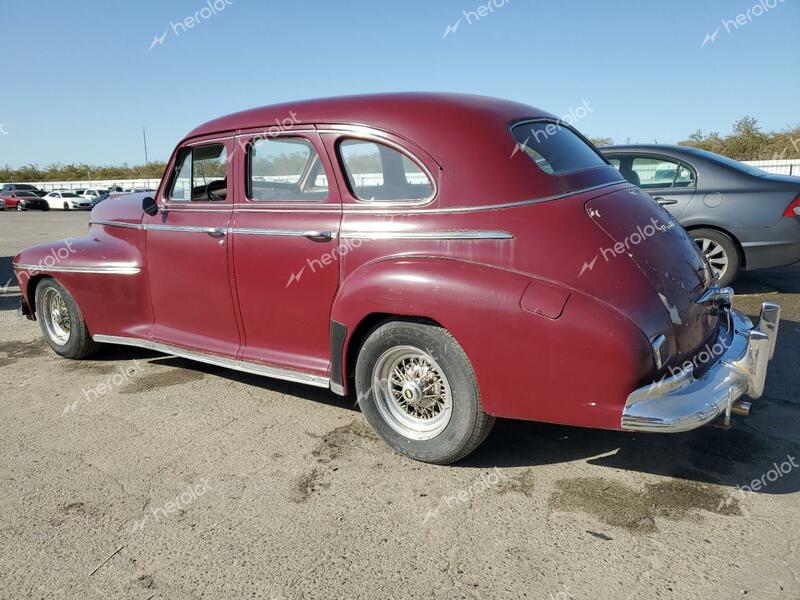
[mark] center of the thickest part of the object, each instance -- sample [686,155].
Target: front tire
[417,390]
[62,322]
[721,252]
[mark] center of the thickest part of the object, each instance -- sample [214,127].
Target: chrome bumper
[683,402]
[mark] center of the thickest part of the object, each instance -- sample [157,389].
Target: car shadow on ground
[109,353]
[785,280]
[731,458]
[9,291]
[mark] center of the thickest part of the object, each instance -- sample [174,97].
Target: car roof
[466,136]
[395,112]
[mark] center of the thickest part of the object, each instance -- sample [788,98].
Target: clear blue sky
[80,80]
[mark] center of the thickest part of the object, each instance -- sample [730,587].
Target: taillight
[793,210]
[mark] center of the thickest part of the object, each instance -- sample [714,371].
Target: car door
[671,182]
[188,252]
[285,250]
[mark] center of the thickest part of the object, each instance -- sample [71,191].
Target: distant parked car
[742,218]
[67,201]
[20,187]
[92,193]
[22,200]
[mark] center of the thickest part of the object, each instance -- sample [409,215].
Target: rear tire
[417,390]
[62,322]
[66,205]
[721,252]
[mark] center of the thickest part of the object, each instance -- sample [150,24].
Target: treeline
[745,142]
[748,142]
[81,172]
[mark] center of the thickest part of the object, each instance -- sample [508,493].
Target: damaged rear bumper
[683,402]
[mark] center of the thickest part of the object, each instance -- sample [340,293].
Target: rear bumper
[683,402]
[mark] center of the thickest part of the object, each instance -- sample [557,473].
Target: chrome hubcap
[56,316]
[412,393]
[716,256]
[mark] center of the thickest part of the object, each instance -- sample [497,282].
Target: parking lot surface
[136,475]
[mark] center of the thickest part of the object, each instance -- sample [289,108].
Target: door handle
[216,231]
[664,201]
[318,235]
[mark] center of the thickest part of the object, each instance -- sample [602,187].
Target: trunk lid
[641,231]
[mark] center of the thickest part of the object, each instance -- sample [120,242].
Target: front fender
[103,270]
[575,364]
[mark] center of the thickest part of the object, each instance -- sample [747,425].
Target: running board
[219,361]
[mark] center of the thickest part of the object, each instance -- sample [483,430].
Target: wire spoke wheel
[55,316]
[412,393]
[716,256]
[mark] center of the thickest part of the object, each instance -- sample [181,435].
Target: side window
[685,177]
[201,175]
[285,169]
[661,173]
[615,162]
[182,184]
[378,173]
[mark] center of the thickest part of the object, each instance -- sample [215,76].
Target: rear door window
[379,173]
[285,169]
[659,173]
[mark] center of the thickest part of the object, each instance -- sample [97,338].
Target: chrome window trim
[111,269]
[248,201]
[375,139]
[220,361]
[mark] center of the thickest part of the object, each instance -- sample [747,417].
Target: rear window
[555,148]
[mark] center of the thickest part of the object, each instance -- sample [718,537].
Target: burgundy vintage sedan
[450,259]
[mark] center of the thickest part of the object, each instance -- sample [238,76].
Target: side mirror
[149,206]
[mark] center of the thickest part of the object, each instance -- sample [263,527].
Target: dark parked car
[742,218]
[22,200]
[406,254]
[21,187]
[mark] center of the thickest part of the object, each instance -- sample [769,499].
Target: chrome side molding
[219,361]
[109,269]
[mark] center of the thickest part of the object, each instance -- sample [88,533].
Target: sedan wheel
[412,393]
[721,253]
[66,205]
[61,320]
[416,387]
[55,316]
